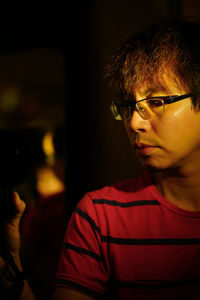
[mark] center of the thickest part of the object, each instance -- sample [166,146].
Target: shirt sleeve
[82,265]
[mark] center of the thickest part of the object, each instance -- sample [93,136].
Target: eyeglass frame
[166,100]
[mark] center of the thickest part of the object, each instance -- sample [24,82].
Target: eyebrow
[149,92]
[154,90]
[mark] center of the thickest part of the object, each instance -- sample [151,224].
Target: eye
[155,102]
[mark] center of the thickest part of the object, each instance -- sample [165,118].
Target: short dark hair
[145,55]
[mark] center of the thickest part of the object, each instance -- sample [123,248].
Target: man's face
[170,140]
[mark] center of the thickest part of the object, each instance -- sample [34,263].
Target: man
[43,227]
[140,239]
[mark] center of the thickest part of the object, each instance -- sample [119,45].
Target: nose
[138,124]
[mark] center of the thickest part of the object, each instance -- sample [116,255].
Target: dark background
[54,56]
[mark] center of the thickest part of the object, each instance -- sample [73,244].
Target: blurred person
[33,241]
[140,239]
[43,227]
[16,160]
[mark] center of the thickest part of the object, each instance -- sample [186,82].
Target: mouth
[145,149]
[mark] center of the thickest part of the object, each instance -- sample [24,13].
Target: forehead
[167,84]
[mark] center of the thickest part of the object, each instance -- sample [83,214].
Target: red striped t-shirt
[127,241]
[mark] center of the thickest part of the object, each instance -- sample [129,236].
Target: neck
[179,187]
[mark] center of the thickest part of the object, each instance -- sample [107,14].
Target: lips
[142,145]
[145,149]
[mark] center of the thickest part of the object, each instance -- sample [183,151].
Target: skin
[12,235]
[174,160]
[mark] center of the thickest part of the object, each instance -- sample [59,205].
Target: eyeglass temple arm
[172,99]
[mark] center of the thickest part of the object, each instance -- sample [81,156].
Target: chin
[155,165]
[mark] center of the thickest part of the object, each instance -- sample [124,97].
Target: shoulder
[124,189]
[130,190]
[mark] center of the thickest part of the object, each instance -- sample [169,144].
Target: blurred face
[170,140]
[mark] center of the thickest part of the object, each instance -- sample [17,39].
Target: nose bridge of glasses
[138,121]
[143,109]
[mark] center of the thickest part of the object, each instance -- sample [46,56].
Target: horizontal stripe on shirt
[126,204]
[82,250]
[130,241]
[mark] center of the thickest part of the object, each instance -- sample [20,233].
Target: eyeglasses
[123,110]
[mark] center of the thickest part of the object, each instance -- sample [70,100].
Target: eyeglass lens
[149,106]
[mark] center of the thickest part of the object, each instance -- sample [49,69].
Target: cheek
[180,130]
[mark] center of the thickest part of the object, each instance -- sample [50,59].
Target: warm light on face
[170,141]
